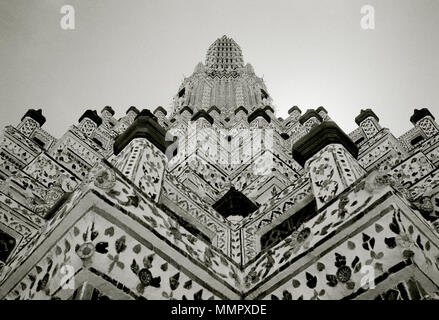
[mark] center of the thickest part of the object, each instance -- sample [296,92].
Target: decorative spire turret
[224,54]
[223,81]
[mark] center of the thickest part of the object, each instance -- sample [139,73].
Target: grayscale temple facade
[218,198]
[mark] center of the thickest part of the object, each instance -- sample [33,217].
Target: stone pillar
[202,118]
[127,120]
[310,119]
[132,113]
[139,153]
[200,130]
[186,113]
[89,121]
[259,118]
[241,113]
[31,121]
[329,156]
[160,113]
[107,112]
[323,113]
[294,113]
[108,124]
[368,121]
[425,121]
[215,113]
[292,125]
[206,136]
[257,143]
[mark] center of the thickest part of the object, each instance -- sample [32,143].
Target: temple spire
[223,81]
[224,54]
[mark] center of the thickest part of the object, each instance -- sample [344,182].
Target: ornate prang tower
[219,199]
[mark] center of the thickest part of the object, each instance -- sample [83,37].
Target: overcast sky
[310,53]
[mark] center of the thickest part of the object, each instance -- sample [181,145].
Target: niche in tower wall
[234,203]
[288,226]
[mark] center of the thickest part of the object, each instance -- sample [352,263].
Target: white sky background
[310,53]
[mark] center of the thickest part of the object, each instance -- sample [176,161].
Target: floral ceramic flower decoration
[301,238]
[404,240]
[269,263]
[54,194]
[426,205]
[42,162]
[375,181]
[85,251]
[105,179]
[304,237]
[145,275]
[343,272]
[252,277]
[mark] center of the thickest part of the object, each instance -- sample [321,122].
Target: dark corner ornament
[419,114]
[202,114]
[294,108]
[259,113]
[364,114]
[241,108]
[134,109]
[92,115]
[285,136]
[37,115]
[144,126]
[188,109]
[214,108]
[268,108]
[234,203]
[146,113]
[309,114]
[320,109]
[160,109]
[319,137]
[108,109]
